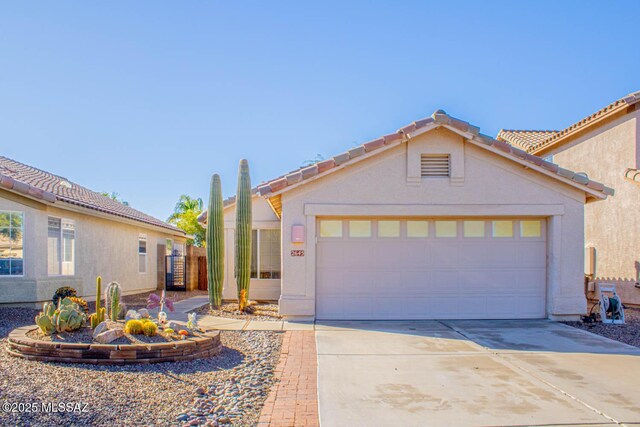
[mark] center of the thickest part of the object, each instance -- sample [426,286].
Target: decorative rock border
[191,348]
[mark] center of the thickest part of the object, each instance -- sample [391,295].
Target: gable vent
[434,165]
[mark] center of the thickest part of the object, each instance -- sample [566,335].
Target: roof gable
[439,119]
[51,188]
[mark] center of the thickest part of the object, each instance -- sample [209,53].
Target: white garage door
[430,269]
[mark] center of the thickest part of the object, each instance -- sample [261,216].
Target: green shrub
[62,293]
[150,329]
[133,327]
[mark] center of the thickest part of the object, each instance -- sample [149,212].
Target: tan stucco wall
[612,226]
[483,185]
[102,247]
[263,217]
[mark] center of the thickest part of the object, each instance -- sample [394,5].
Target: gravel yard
[629,333]
[263,311]
[228,389]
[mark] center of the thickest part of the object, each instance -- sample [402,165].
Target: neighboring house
[606,147]
[433,221]
[56,233]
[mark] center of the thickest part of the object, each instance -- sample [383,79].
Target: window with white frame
[61,246]
[265,254]
[142,253]
[11,246]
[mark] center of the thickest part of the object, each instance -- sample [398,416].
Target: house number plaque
[297,252]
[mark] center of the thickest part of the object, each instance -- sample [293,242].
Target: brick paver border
[293,400]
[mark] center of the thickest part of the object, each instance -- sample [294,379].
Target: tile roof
[52,188]
[437,120]
[535,144]
[524,139]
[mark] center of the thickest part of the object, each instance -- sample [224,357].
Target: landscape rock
[109,336]
[102,326]
[144,313]
[131,314]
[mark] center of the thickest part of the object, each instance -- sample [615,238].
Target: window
[502,228]
[446,229]
[417,229]
[530,228]
[61,238]
[434,165]
[330,228]
[360,228]
[474,229]
[11,246]
[169,247]
[142,253]
[265,254]
[388,228]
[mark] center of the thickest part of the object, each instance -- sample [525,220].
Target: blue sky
[149,98]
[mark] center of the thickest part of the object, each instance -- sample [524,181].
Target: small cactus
[98,317]
[68,317]
[43,320]
[133,327]
[112,300]
[150,329]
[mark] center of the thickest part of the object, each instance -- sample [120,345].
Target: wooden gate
[202,273]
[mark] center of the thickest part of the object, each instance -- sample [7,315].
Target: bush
[150,329]
[81,302]
[133,327]
[62,293]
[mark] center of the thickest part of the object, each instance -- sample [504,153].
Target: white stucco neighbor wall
[613,225]
[102,247]
[481,185]
[263,217]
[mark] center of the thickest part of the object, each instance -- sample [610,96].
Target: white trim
[141,237]
[62,248]
[533,210]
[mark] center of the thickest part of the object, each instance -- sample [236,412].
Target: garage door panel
[443,281]
[502,253]
[431,277]
[531,255]
[416,254]
[529,281]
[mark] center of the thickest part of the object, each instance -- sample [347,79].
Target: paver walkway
[181,308]
[293,400]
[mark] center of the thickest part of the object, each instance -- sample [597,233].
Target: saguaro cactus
[98,317]
[112,300]
[215,242]
[243,234]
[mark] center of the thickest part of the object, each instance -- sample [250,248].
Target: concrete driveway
[473,373]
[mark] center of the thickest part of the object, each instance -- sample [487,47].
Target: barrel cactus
[112,300]
[243,235]
[215,243]
[98,317]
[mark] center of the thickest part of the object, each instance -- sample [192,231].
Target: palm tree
[185,216]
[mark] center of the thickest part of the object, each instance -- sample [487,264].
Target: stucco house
[54,232]
[606,147]
[433,221]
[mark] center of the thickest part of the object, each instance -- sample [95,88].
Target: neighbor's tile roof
[438,119]
[536,144]
[524,139]
[51,188]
